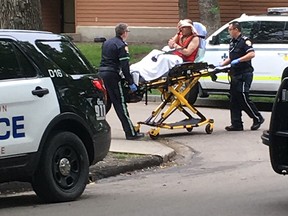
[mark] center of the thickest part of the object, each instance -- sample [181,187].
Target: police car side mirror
[214,40]
[99,39]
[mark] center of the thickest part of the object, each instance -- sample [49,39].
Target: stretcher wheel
[154,134]
[209,128]
[189,129]
[154,137]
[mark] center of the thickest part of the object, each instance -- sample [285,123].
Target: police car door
[27,102]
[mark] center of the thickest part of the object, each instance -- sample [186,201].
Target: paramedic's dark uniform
[241,79]
[115,56]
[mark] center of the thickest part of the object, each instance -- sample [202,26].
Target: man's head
[234,29]
[121,30]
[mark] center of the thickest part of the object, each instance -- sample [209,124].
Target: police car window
[65,56]
[13,64]
[269,32]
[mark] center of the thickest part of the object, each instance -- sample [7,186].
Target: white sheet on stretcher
[150,70]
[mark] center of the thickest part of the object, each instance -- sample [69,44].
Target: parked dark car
[52,114]
[277,135]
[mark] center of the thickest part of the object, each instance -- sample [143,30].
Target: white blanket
[151,70]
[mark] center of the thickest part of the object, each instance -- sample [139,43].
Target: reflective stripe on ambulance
[258,78]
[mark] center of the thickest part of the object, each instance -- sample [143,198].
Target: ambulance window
[224,36]
[247,28]
[269,32]
[13,64]
[285,34]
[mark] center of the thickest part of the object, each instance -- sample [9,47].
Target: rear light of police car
[99,84]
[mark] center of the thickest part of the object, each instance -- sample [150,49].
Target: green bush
[92,51]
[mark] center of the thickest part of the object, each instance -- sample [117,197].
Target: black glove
[213,77]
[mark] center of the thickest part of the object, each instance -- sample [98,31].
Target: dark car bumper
[265,138]
[102,142]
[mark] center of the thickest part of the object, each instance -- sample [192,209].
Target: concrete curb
[109,170]
[99,171]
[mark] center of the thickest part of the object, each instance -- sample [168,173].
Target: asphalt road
[223,173]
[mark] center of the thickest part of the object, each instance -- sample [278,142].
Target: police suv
[269,34]
[52,114]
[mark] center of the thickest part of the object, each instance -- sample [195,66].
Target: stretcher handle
[218,69]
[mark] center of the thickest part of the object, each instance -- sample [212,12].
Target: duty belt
[109,69]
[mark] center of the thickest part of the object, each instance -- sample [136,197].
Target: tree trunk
[20,14]
[183,12]
[210,14]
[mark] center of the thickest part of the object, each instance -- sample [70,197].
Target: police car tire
[49,183]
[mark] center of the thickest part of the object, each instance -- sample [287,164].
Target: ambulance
[269,34]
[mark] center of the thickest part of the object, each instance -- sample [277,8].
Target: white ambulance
[269,34]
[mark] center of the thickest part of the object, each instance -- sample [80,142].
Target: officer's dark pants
[115,96]
[239,100]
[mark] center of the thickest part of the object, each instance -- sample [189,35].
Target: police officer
[115,57]
[240,54]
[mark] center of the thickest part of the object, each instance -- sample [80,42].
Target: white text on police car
[55,73]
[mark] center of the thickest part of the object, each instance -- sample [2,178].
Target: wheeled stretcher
[174,86]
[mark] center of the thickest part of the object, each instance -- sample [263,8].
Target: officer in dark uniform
[115,58]
[240,54]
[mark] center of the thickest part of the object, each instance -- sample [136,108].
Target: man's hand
[235,61]
[133,87]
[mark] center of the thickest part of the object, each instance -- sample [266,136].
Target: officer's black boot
[257,123]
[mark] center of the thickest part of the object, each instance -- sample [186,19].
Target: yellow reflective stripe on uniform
[124,58]
[275,78]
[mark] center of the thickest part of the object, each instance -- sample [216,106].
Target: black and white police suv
[52,114]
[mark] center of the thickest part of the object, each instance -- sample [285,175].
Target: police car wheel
[64,169]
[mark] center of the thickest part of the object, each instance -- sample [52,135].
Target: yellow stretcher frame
[174,89]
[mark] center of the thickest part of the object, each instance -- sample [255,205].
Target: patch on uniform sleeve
[126,48]
[248,42]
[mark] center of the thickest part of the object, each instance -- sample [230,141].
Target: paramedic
[186,42]
[240,54]
[115,57]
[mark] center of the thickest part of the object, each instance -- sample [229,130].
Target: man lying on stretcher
[188,45]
